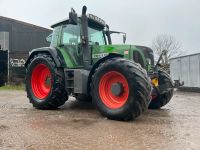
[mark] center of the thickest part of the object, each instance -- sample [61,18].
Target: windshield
[96,36]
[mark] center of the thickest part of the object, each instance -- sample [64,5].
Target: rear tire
[45,83]
[162,99]
[134,97]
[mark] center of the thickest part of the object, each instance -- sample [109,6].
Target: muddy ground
[79,126]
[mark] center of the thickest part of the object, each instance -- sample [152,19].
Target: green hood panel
[125,50]
[100,51]
[111,49]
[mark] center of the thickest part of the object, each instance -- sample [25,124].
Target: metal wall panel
[186,69]
[4,40]
[175,69]
[23,37]
[184,76]
[194,71]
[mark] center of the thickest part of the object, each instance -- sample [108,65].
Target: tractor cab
[84,40]
[76,37]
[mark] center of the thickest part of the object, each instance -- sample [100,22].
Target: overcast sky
[142,20]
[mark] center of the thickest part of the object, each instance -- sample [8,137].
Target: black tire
[83,98]
[166,84]
[57,95]
[138,84]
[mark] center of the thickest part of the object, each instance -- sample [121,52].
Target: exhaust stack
[84,38]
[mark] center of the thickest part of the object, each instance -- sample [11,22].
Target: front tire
[131,94]
[45,83]
[166,85]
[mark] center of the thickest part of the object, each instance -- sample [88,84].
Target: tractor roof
[91,17]
[60,22]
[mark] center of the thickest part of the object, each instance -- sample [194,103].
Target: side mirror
[73,17]
[124,38]
[48,38]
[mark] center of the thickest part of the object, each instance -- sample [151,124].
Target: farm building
[186,69]
[17,38]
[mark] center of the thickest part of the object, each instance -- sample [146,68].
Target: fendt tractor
[121,80]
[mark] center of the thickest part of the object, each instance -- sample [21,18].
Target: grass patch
[12,87]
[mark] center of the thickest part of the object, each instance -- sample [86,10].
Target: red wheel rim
[41,81]
[108,98]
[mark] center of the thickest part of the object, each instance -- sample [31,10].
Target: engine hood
[120,49]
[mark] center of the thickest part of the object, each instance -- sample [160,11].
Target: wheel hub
[113,89]
[117,89]
[48,81]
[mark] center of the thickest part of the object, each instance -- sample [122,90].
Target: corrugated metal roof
[24,23]
[59,22]
[184,56]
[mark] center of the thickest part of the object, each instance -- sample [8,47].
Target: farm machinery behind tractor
[121,80]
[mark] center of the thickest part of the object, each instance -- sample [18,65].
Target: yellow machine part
[154,82]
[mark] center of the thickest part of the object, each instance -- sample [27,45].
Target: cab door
[70,46]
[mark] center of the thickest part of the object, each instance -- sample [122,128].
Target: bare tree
[167,43]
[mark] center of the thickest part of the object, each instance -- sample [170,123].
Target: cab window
[96,36]
[55,36]
[71,35]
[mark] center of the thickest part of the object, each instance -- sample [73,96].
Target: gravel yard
[78,125]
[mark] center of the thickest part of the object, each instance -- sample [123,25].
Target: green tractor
[121,80]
